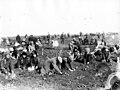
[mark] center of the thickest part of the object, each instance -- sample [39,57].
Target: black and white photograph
[59,44]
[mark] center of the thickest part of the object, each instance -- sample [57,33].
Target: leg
[4,70]
[11,67]
[31,61]
[18,63]
[56,68]
[24,63]
[46,67]
[63,40]
[59,66]
[69,63]
[85,59]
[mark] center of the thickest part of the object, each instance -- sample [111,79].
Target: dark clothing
[106,56]
[6,65]
[32,38]
[79,49]
[9,65]
[62,38]
[87,58]
[67,63]
[99,56]
[22,60]
[86,41]
[18,39]
[86,55]
[48,38]
[33,59]
[46,67]
[14,53]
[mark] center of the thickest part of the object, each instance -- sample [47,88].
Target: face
[11,54]
[32,42]
[23,43]
[24,56]
[34,55]
[38,40]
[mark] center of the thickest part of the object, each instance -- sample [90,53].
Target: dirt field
[76,80]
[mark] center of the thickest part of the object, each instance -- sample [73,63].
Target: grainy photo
[59,44]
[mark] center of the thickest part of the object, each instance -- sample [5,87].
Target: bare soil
[76,80]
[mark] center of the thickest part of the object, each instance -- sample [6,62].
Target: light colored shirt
[31,48]
[87,50]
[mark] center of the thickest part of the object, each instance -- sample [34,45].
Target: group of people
[103,54]
[25,53]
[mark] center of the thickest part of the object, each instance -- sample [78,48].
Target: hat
[24,50]
[20,48]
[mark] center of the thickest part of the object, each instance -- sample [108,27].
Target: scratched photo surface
[59,44]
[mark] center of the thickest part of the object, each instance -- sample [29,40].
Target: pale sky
[56,16]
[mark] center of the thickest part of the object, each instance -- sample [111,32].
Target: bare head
[59,59]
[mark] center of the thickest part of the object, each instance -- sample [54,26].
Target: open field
[76,80]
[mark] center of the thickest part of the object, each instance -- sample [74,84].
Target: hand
[61,73]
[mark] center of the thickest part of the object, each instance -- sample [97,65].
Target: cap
[16,44]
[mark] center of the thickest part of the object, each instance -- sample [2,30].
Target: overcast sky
[56,16]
